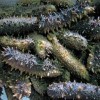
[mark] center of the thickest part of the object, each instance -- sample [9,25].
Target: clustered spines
[29,63]
[73,40]
[65,57]
[74,90]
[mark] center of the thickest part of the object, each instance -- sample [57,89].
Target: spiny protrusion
[93,61]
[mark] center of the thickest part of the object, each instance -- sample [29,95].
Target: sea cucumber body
[29,63]
[67,59]
[73,90]
[17,25]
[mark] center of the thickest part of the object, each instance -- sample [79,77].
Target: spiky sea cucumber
[89,29]
[93,61]
[29,63]
[21,44]
[72,40]
[73,90]
[17,25]
[41,45]
[56,20]
[67,59]
[21,89]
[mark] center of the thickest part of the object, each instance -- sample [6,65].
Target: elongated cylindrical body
[73,90]
[65,57]
[21,44]
[73,40]
[17,25]
[29,63]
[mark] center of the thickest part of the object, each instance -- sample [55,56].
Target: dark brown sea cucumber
[88,28]
[73,90]
[72,40]
[17,25]
[29,63]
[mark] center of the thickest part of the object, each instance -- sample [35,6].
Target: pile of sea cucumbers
[50,49]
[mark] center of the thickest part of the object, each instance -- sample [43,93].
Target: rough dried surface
[73,90]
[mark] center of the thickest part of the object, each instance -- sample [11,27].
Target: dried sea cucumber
[67,59]
[21,89]
[17,25]
[42,46]
[73,90]
[72,40]
[39,85]
[93,61]
[21,44]
[29,63]
[88,28]
[56,20]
